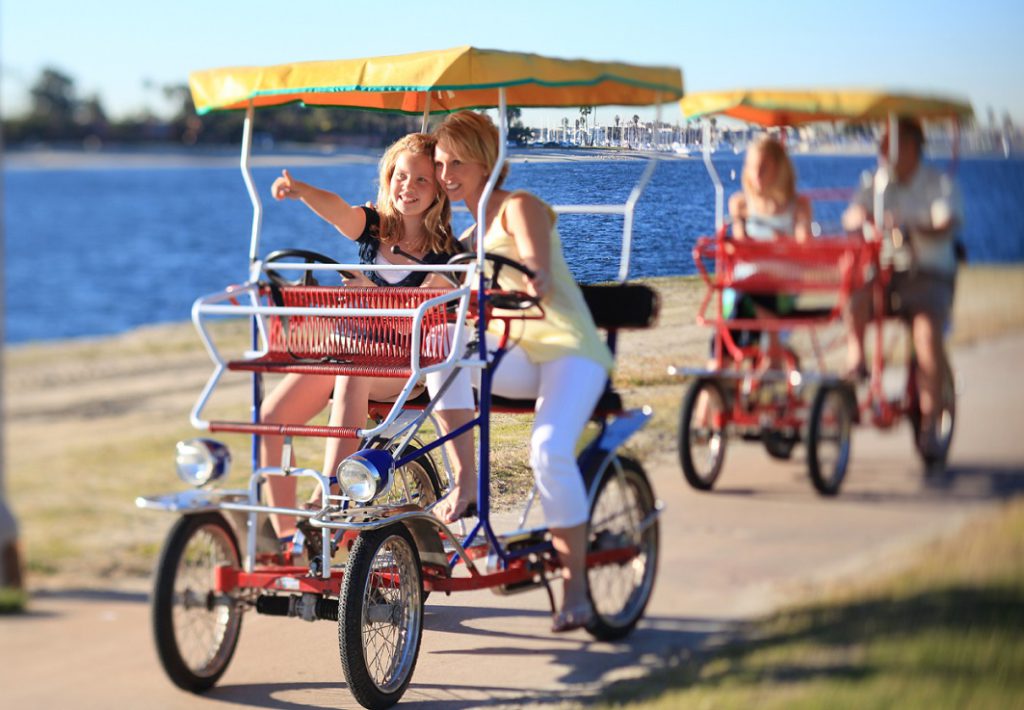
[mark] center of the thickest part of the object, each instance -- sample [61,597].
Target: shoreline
[174,157]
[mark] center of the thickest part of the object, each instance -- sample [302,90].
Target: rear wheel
[622,516]
[195,626]
[828,437]
[380,615]
[937,451]
[702,433]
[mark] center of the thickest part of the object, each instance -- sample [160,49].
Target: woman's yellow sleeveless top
[567,328]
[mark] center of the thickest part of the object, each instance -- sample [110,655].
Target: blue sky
[973,50]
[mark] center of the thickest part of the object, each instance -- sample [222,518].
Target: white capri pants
[566,390]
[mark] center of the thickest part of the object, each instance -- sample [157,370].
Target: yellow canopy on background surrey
[795,107]
[459,78]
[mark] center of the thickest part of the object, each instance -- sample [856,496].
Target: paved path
[760,539]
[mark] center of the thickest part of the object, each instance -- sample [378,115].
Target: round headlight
[365,474]
[200,461]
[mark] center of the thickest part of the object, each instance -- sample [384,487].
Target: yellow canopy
[459,78]
[795,107]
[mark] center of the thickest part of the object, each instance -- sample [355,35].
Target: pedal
[536,561]
[521,539]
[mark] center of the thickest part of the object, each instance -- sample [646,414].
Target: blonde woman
[560,361]
[412,212]
[768,208]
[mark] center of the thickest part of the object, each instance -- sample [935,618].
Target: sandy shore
[92,423]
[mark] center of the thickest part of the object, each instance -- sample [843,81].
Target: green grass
[946,633]
[12,601]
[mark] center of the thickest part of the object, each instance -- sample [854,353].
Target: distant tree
[517,132]
[92,121]
[585,112]
[53,95]
[51,108]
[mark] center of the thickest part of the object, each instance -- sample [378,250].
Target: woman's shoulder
[523,202]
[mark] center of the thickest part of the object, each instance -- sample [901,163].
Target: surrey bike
[740,394]
[381,550]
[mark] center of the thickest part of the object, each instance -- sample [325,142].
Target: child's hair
[437,218]
[473,138]
[770,148]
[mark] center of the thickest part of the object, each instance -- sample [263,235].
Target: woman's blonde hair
[473,138]
[772,149]
[436,220]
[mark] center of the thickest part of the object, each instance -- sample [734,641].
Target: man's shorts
[908,294]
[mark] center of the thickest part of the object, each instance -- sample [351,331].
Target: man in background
[922,210]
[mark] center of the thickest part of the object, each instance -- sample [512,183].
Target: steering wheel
[307,278]
[512,300]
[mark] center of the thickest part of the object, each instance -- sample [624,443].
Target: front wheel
[936,451]
[622,518]
[196,627]
[828,437]
[380,615]
[702,433]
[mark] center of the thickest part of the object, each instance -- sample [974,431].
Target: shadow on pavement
[978,481]
[960,482]
[584,663]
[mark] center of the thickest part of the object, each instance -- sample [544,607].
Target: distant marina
[688,138]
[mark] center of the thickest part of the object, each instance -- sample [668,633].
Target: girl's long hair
[473,138]
[436,220]
[785,181]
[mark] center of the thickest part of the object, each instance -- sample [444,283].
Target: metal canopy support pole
[634,196]
[481,217]
[250,185]
[954,160]
[492,181]
[484,468]
[425,123]
[884,177]
[254,246]
[719,191]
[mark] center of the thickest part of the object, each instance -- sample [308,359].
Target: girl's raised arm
[349,220]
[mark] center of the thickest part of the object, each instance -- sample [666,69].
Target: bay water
[99,250]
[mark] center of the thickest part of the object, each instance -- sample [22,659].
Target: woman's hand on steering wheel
[540,283]
[512,299]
